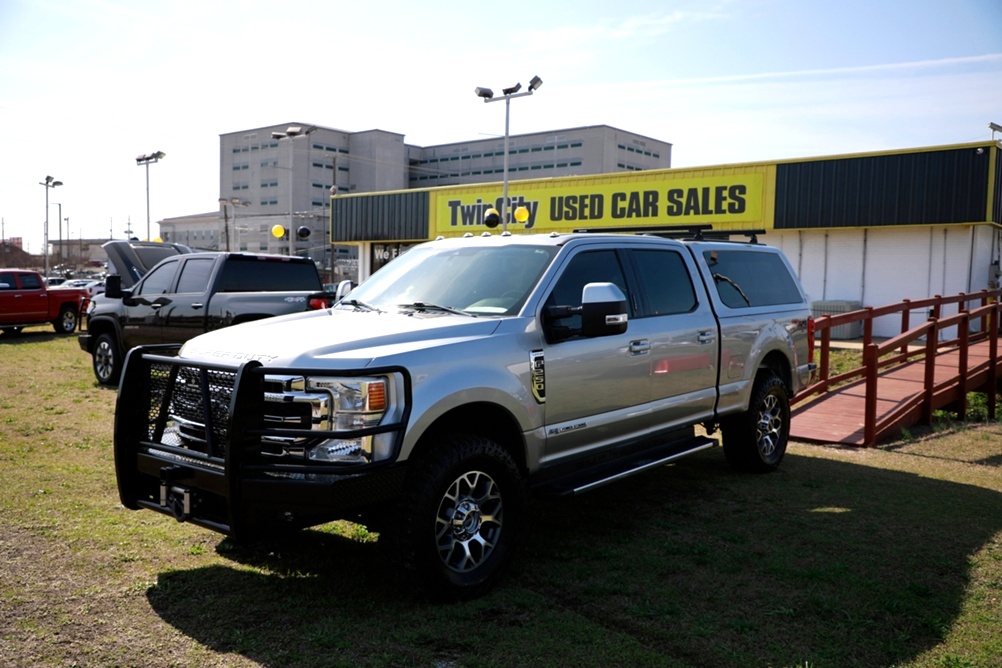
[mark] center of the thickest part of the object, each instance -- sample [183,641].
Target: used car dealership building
[860,230]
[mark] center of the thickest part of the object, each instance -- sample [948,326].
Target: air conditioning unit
[846,332]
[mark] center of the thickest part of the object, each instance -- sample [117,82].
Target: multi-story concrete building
[283,175]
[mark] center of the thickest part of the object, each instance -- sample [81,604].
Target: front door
[597,389]
[142,320]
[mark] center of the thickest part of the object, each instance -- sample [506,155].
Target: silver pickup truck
[462,376]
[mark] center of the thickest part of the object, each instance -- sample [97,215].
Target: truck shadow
[33,336]
[824,562]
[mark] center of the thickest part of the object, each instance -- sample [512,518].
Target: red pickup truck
[26,301]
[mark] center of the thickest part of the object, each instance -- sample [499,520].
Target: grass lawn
[890,556]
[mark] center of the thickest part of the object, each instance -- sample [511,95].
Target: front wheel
[459,519]
[66,323]
[756,439]
[107,360]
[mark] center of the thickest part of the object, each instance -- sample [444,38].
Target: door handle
[156,306]
[641,347]
[197,305]
[707,337]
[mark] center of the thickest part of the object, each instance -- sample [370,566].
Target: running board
[589,479]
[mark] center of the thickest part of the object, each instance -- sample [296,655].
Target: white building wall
[879,266]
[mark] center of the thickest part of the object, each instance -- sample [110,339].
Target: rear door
[675,318]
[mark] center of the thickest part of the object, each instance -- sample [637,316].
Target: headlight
[354,403]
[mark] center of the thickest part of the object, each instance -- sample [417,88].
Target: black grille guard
[230,402]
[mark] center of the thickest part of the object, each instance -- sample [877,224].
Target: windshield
[483,280]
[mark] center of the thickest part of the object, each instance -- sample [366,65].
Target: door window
[667,286]
[599,266]
[159,280]
[195,275]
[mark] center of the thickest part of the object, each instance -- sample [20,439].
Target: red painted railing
[901,349]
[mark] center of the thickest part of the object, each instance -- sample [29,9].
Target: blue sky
[87,85]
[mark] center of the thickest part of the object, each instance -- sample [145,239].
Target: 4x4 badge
[538,371]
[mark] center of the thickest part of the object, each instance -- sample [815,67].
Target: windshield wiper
[425,306]
[362,306]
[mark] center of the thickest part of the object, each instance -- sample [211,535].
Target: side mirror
[603,310]
[113,286]
[343,288]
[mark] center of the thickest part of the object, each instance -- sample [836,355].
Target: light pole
[508,93]
[49,182]
[146,160]
[235,201]
[59,222]
[290,135]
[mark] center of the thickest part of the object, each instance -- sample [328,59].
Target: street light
[59,221]
[290,134]
[508,93]
[235,201]
[49,182]
[146,160]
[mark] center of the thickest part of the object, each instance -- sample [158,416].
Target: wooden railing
[904,348]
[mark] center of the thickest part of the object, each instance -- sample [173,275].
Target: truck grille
[198,410]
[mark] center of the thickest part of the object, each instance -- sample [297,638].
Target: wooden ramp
[839,415]
[905,379]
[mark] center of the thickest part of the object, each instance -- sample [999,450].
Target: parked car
[463,374]
[25,300]
[93,287]
[189,294]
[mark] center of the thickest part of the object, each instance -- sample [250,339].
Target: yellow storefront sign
[735,198]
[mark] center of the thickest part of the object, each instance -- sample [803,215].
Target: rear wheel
[107,360]
[66,323]
[756,439]
[460,518]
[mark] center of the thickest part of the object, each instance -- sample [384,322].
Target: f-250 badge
[538,372]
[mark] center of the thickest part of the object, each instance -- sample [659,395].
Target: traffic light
[492,218]
[303,233]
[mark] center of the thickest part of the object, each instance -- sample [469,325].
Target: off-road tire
[107,360]
[66,323]
[459,520]
[756,440]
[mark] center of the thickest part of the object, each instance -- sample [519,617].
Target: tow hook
[176,499]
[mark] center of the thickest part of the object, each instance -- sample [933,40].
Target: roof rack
[691,232]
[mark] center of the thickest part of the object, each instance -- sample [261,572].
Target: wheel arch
[480,418]
[97,327]
[779,364]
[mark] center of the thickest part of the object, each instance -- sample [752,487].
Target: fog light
[349,451]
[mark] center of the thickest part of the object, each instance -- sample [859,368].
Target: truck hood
[133,259]
[356,338]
